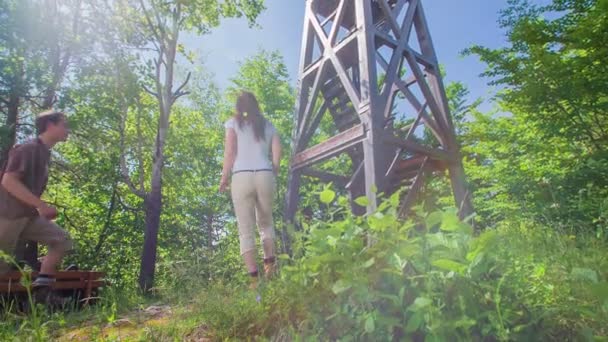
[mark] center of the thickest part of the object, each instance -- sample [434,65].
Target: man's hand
[47,211]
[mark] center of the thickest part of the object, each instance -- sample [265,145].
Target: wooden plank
[408,20]
[16,275]
[437,131]
[370,106]
[398,7]
[424,60]
[414,162]
[416,122]
[339,15]
[339,68]
[310,69]
[306,48]
[309,132]
[354,176]
[413,191]
[428,94]
[388,14]
[312,99]
[329,148]
[89,288]
[60,285]
[417,148]
[306,51]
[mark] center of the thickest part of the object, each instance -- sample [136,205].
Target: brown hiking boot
[270,267]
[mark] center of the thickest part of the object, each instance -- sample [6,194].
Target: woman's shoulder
[230,123]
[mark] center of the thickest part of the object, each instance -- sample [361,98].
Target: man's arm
[12,184]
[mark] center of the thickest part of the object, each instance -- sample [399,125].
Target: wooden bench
[85,283]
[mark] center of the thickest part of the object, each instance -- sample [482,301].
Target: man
[23,215]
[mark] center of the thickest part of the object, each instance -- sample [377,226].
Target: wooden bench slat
[15,276]
[62,285]
[65,280]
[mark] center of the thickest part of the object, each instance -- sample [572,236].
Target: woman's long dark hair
[248,111]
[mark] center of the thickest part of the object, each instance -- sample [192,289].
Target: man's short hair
[43,119]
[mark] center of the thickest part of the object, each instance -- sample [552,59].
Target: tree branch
[178,93]
[125,206]
[150,91]
[149,21]
[108,221]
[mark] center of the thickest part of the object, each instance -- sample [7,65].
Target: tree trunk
[12,115]
[25,250]
[105,232]
[166,97]
[153,201]
[153,206]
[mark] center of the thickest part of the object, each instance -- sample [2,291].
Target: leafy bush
[378,278]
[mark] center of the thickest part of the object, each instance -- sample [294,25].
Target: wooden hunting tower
[371,66]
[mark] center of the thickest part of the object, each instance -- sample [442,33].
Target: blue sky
[454,26]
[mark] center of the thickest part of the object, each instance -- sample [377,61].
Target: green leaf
[369,324]
[369,263]
[414,322]
[332,241]
[450,265]
[485,241]
[362,201]
[450,222]
[399,263]
[340,286]
[433,219]
[421,302]
[394,299]
[327,196]
[401,293]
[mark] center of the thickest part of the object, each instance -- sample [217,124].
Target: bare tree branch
[150,91]
[149,21]
[178,93]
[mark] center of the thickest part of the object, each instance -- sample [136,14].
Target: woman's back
[251,153]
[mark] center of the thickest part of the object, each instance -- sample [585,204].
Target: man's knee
[61,245]
[50,234]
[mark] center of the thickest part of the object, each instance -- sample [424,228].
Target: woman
[249,139]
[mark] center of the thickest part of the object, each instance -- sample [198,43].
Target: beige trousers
[35,229]
[252,197]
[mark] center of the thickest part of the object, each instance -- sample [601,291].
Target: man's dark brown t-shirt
[30,161]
